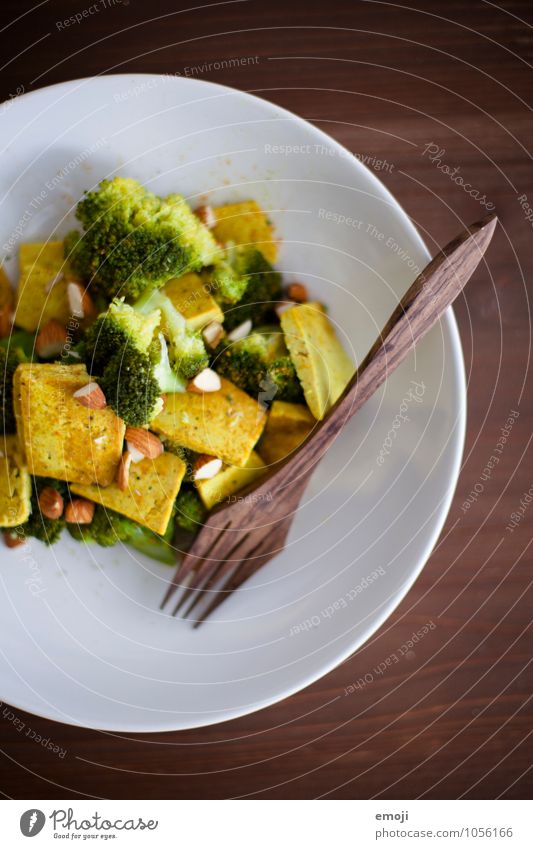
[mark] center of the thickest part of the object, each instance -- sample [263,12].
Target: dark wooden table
[429,87]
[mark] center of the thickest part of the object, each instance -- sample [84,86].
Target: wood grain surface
[425,93]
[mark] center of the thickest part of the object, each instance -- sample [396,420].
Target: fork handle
[435,288]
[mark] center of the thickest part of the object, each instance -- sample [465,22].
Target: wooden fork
[239,537]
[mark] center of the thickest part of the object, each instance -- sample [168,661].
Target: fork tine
[203,582]
[202,589]
[250,563]
[209,567]
[196,580]
[242,572]
[172,586]
[188,563]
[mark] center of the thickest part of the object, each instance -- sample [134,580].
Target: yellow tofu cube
[61,438]
[15,484]
[40,265]
[224,424]
[322,365]
[286,428]
[152,489]
[246,223]
[230,480]
[191,297]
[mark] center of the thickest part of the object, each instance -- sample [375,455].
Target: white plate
[82,639]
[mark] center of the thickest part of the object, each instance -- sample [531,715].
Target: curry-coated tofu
[42,287]
[244,224]
[224,424]
[149,498]
[286,428]
[192,298]
[322,365]
[15,484]
[61,438]
[230,480]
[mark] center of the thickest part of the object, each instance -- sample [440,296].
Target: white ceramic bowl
[82,639]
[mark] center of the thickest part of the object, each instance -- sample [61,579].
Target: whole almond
[298,292]
[6,321]
[51,503]
[90,396]
[50,339]
[123,471]
[12,539]
[206,467]
[79,511]
[213,333]
[206,215]
[206,380]
[147,443]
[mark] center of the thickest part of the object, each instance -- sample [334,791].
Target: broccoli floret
[187,351]
[134,240]
[244,362]
[260,365]
[228,277]
[131,388]
[166,377]
[282,374]
[116,330]
[247,286]
[10,358]
[106,528]
[133,367]
[39,526]
[189,510]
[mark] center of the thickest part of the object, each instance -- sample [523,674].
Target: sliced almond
[143,441]
[80,511]
[298,292]
[213,333]
[80,302]
[91,396]
[206,215]
[50,339]
[241,331]
[12,539]
[206,467]
[206,380]
[123,471]
[51,503]
[136,455]
[279,309]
